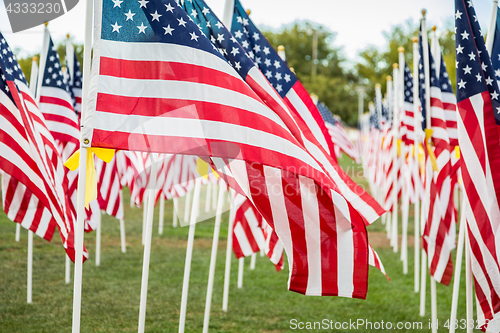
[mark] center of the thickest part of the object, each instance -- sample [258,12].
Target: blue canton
[408,83]
[53,75]
[326,114]
[261,52]
[9,68]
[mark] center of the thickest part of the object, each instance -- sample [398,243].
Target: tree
[333,84]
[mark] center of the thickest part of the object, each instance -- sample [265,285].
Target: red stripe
[56,101]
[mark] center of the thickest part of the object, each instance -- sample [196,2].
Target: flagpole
[229,248]
[43,61]
[214,196]
[122,235]
[175,212]
[207,198]
[98,239]
[144,214]
[227,17]
[29,275]
[241,267]
[395,124]
[253,258]
[162,213]
[188,206]
[458,269]
[189,254]
[213,258]
[468,282]
[18,232]
[436,51]
[147,243]
[416,144]
[491,29]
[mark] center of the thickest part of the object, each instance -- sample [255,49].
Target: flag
[274,247]
[478,121]
[408,136]
[34,192]
[75,77]
[439,223]
[338,134]
[159,85]
[248,237]
[110,194]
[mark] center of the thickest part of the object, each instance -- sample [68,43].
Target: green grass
[111,292]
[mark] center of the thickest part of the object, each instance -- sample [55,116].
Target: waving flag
[75,76]
[478,121]
[159,85]
[248,237]
[34,192]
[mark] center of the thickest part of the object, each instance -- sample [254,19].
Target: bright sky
[358,23]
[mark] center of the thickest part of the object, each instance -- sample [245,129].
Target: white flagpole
[189,254]
[147,243]
[43,61]
[18,232]
[207,199]
[213,258]
[98,239]
[253,258]
[162,213]
[241,266]
[188,207]
[229,249]
[395,126]
[67,270]
[176,207]
[434,306]
[214,196]
[227,17]
[33,84]
[122,235]
[458,269]
[436,51]
[144,214]
[70,59]
[416,146]
[491,29]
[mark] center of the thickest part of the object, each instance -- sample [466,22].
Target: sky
[358,23]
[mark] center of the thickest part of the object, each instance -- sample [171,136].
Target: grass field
[111,291]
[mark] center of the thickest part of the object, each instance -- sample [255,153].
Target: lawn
[111,291]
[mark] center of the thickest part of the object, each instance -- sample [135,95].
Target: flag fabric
[439,222]
[274,247]
[34,191]
[478,121]
[248,237]
[310,122]
[338,134]
[210,111]
[75,77]
[110,194]
[408,136]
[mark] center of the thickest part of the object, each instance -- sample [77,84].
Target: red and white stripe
[341,140]
[248,237]
[110,196]
[274,247]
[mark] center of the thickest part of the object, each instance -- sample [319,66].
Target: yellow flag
[202,167]
[430,151]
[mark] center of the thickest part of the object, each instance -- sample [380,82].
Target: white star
[239,19]
[245,44]
[49,69]
[238,34]
[266,50]
[278,76]
[219,25]
[208,24]
[156,16]
[287,77]
[143,3]
[458,15]
[233,39]
[479,77]
[116,27]
[169,8]
[456,64]
[467,69]
[237,65]
[54,76]
[461,84]
[59,82]
[484,66]
[250,54]
[47,81]
[470,3]
[245,21]
[278,88]
[472,56]
[51,58]
[220,37]
[269,74]
[256,36]
[267,62]
[205,11]
[182,22]
[168,30]
[235,51]
[256,48]
[497,72]
[117,3]
[460,49]
[258,61]
[142,28]
[129,15]
[277,64]
[194,13]
[212,39]
[465,35]
[193,36]
[489,81]
[494,95]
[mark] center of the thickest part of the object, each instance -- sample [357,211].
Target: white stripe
[56,93]
[255,228]
[245,246]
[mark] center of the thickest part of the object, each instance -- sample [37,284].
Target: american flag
[439,223]
[274,247]
[311,124]
[338,134]
[210,111]
[110,194]
[408,136]
[248,236]
[34,192]
[478,121]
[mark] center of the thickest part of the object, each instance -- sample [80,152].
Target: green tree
[333,84]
